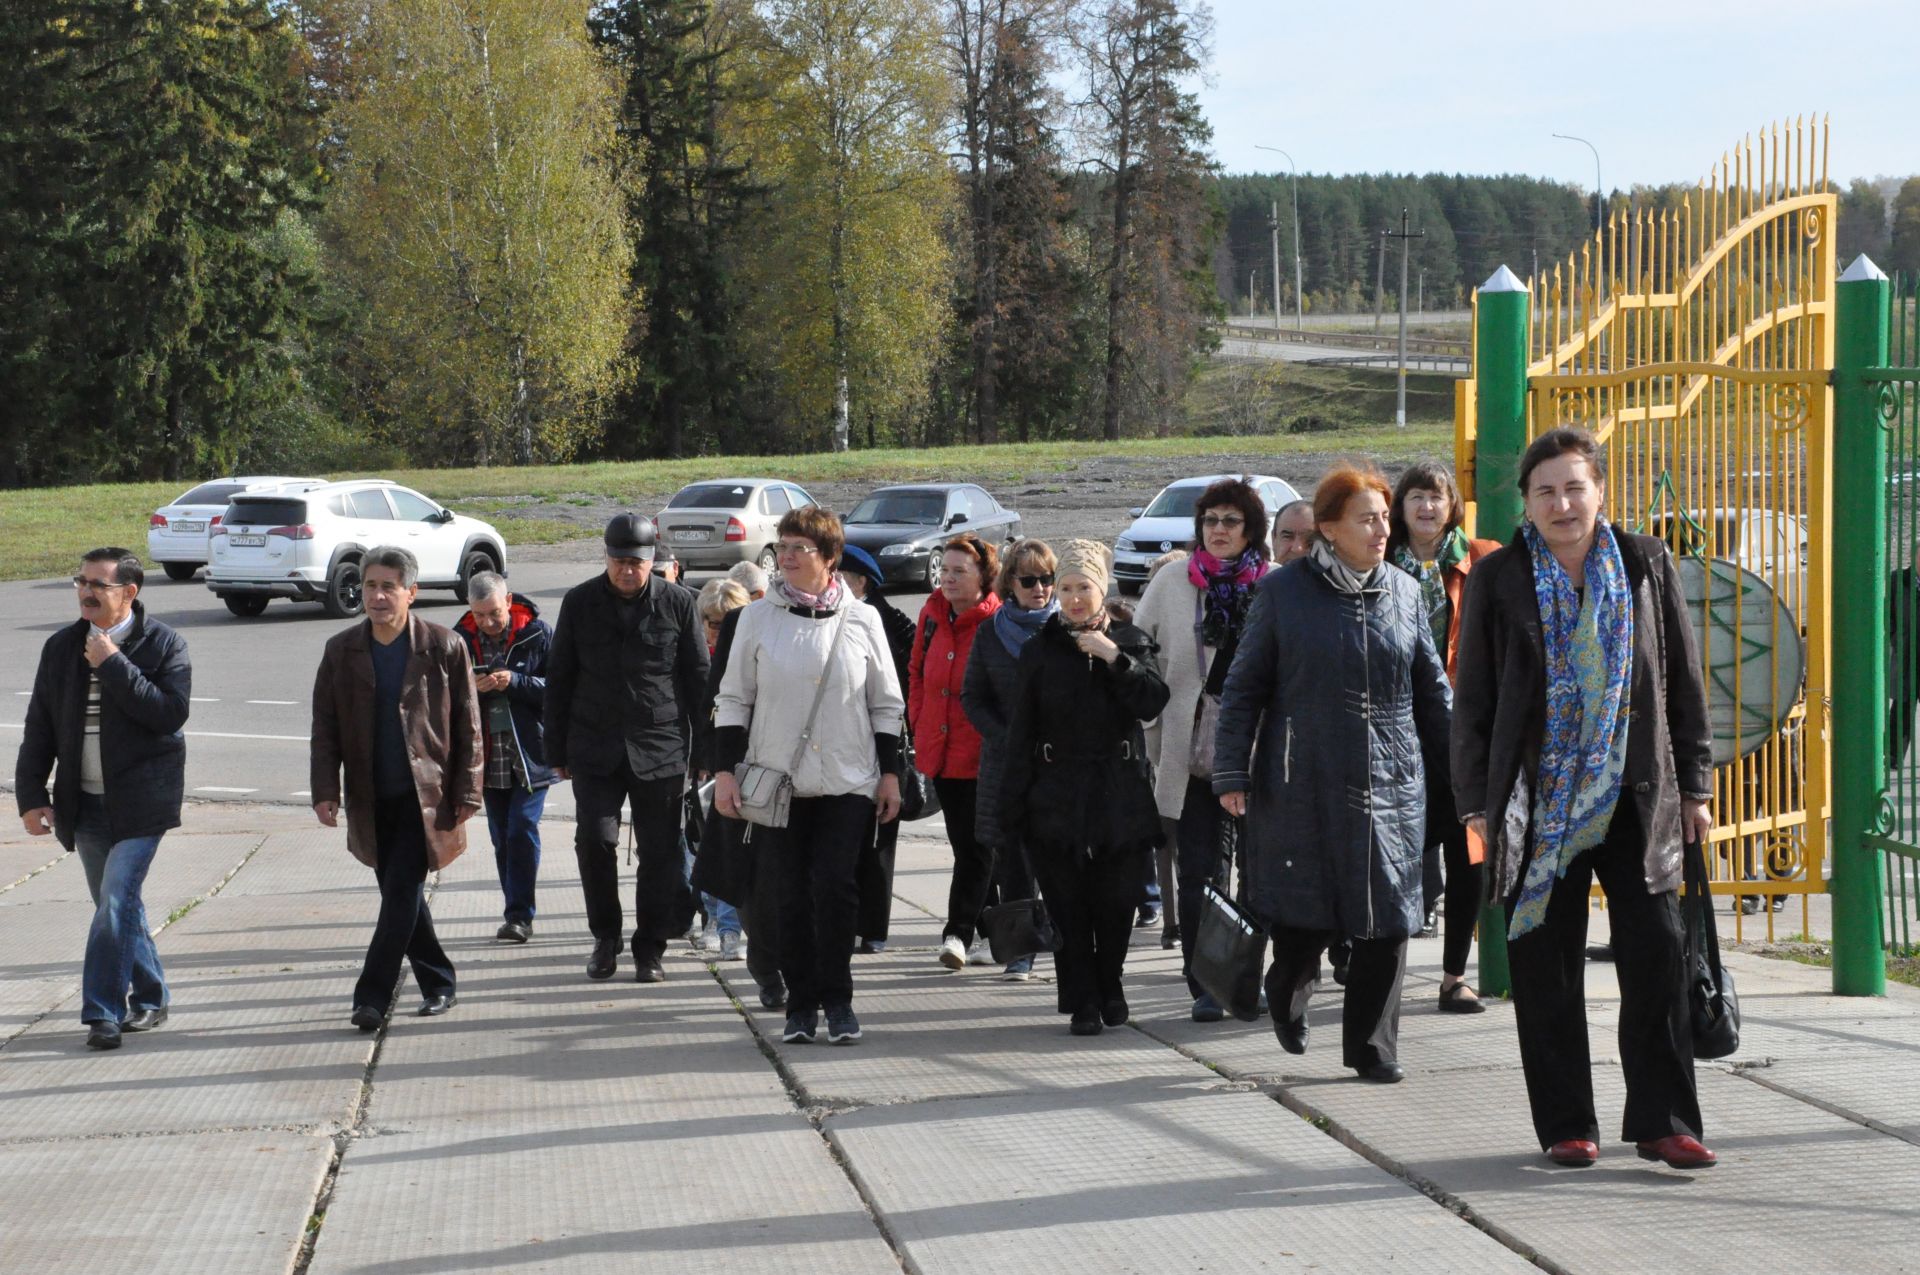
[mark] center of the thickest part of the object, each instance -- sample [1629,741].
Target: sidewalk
[553,1124]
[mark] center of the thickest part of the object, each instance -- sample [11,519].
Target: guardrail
[1384,343]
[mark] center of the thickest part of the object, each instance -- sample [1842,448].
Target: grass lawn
[43,531]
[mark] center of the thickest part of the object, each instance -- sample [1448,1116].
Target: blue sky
[1477,86]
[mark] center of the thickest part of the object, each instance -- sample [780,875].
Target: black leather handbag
[1712,1002]
[1229,955]
[1017,929]
[918,797]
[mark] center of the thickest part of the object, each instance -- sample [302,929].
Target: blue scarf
[1015,625]
[1584,752]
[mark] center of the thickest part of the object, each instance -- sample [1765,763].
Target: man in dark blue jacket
[109,701]
[509,641]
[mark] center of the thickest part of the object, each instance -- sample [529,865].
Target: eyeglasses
[1232,522]
[1035,582]
[98,586]
[794,549]
[628,564]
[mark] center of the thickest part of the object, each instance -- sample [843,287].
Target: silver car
[1166,523]
[714,524]
[178,533]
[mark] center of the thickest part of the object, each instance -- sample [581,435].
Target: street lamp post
[1599,192]
[1299,310]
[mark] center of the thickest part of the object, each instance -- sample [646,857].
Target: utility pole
[1251,274]
[1380,281]
[1406,239]
[1421,293]
[1273,224]
[1299,291]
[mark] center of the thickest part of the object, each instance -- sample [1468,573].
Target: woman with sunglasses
[1195,612]
[1078,783]
[1026,586]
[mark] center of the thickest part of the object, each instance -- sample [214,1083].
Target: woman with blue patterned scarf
[1581,750]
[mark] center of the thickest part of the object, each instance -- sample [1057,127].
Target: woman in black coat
[1338,678]
[1581,749]
[1078,783]
[874,873]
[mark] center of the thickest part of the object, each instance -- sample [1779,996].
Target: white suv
[178,533]
[307,545]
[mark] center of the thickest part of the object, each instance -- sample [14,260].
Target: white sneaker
[731,948]
[980,953]
[953,953]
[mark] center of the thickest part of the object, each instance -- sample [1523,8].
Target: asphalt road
[253,679]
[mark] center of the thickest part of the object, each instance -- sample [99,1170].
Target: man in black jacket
[109,700]
[626,673]
[509,642]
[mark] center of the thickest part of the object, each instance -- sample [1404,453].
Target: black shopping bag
[1229,955]
[1017,929]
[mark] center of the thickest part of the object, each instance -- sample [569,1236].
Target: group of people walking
[1344,720]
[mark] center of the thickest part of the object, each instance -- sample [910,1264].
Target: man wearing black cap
[627,669]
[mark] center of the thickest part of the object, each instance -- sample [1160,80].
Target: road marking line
[204,699]
[215,788]
[201,734]
[282,702]
[300,792]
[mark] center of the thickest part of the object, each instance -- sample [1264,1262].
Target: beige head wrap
[1089,558]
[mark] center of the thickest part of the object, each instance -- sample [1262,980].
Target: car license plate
[690,535]
[247,542]
[189,526]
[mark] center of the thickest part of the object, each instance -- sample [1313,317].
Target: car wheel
[180,570]
[246,605]
[342,598]
[933,571]
[767,559]
[477,560]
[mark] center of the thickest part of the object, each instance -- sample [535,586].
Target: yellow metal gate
[1697,342]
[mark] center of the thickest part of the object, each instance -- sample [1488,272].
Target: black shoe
[605,957]
[144,1020]
[514,932]
[1148,917]
[1601,952]
[842,1027]
[802,1026]
[1779,903]
[1206,1009]
[103,1035]
[1170,937]
[1387,1072]
[1751,903]
[647,970]
[437,1005]
[1086,1021]
[367,1018]
[1114,1012]
[774,997]
[1293,1035]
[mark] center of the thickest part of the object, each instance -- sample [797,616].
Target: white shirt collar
[117,630]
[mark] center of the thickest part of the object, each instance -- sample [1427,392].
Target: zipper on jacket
[1286,756]
[1366,683]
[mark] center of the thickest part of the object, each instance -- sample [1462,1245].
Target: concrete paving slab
[1142,1176]
[1868,1086]
[764,1198]
[300,858]
[1769,1205]
[249,1049]
[195,1204]
[316,926]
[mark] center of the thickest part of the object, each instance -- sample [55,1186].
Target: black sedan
[903,527]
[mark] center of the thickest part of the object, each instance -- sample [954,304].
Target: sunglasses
[1035,582]
[1230,522]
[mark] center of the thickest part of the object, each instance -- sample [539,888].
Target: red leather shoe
[1678,1151]
[1574,1153]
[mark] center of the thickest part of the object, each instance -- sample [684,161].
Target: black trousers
[1548,967]
[1091,899]
[1203,861]
[811,862]
[1466,885]
[404,929]
[971,889]
[662,902]
[1370,1017]
[874,877]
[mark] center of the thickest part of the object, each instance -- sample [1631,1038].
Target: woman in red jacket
[946,745]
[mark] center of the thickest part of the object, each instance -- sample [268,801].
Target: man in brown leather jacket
[394,704]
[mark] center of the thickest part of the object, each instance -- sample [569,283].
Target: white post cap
[1503,280]
[1862,270]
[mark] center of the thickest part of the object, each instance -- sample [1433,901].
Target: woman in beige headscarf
[1078,783]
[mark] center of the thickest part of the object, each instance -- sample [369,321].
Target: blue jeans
[120,951]
[513,821]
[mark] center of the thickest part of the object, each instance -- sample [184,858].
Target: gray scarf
[1342,577]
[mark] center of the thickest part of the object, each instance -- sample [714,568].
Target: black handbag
[1712,1002]
[1019,928]
[918,797]
[1229,955]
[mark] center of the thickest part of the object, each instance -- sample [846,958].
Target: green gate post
[1500,388]
[1859,610]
